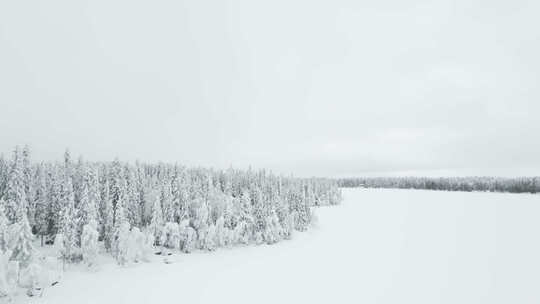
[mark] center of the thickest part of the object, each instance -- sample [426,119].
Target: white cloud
[310,87]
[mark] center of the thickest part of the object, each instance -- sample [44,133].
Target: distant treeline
[491,184]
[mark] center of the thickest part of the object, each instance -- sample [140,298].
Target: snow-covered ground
[379,246]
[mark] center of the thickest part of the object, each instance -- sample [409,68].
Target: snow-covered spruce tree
[107,217]
[3,228]
[28,181]
[59,247]
[133,207]
[141,244]
[54,198]
[156,221]
[300,208]
[4,170]
[167,203]
[244,228]
[119,216]
[210,238]
[221,232]
[117,185]
[84,214]
[94,192]
[200,223]
[216,203]
[179,196]
[230,218]
[42,206]
[259,216]
[69,220]
[288,226]
[15,196]
[283,215]
[20,241]
[273,230]
[89,243]
[68,165]
[19,238]
[78,176]
[122,240]
[87,200]
[142,192]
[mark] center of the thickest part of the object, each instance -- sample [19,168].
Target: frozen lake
[379,246]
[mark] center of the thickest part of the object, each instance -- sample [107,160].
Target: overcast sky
[326,88]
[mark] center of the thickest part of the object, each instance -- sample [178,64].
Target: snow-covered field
[379,246]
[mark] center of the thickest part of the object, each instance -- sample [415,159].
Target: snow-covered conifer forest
[74,211]
[483,183]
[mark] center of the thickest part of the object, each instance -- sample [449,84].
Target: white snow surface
[379,246]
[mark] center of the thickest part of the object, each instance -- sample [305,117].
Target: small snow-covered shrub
[189,238]
[170,237]
[137,240]
[123,248]
[4,223]
[142,244]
